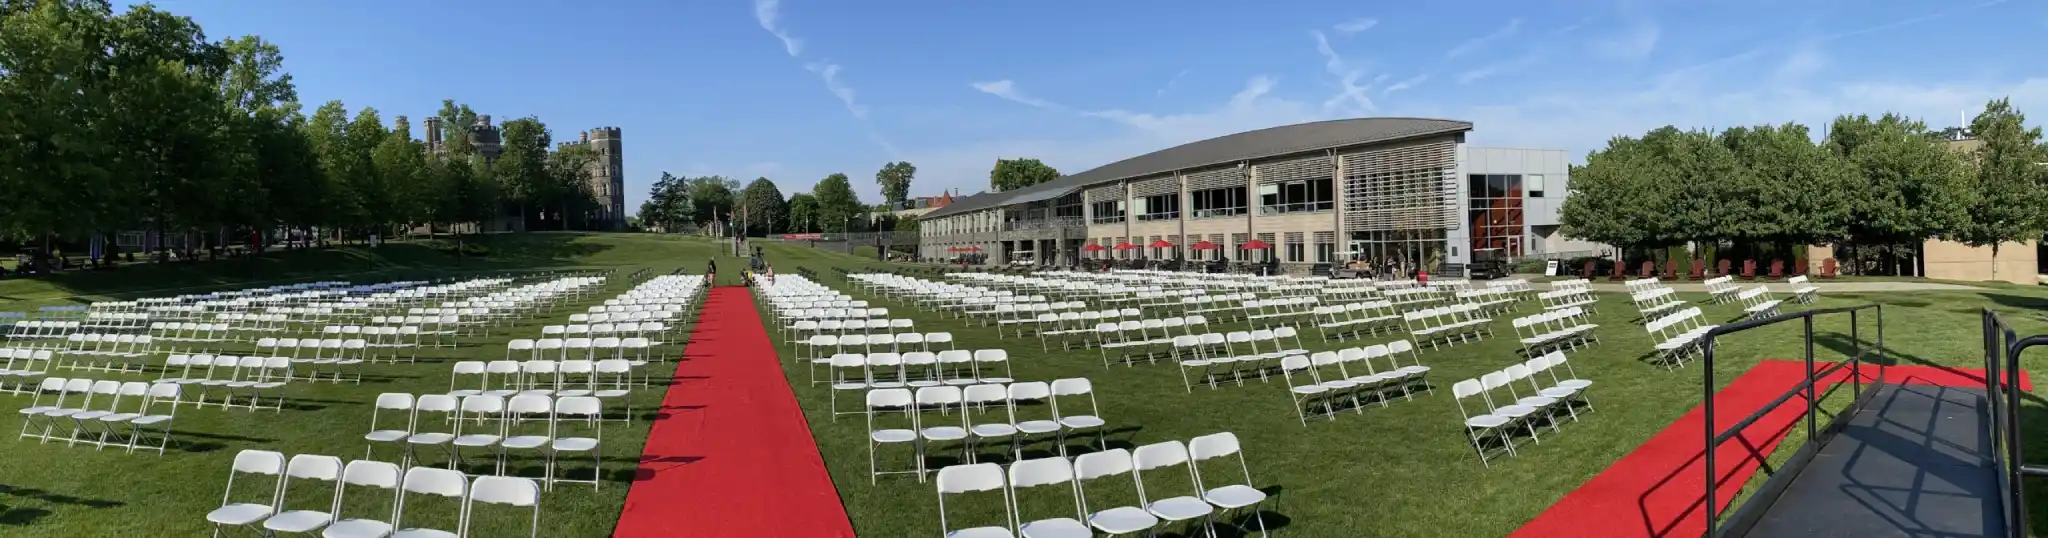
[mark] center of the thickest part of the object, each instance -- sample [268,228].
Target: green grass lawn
[52,490]
[1402,470]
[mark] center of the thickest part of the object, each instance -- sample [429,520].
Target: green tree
[764,207]
[2009,177]
[838,207]
[895,180]
[55,89]
[1795,189]
[712,198]
[456,121]
[1906,188]
[522,172]
[400,167]
[1013,174]
[569,170]
[668,204]
[803,213]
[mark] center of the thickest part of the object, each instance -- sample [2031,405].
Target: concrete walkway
[1825,287]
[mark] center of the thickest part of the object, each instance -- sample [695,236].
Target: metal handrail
[1709,341]
[2002,350]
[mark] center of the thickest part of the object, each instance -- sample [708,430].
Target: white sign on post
[1550,268]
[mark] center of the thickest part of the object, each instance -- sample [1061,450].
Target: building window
[1296,251]
[1224,202]
[1326,247]
[1295,197]
[1235,250]
[1495,212]
[1159,207]
[1106,212]
[1266,254]
[1533,184]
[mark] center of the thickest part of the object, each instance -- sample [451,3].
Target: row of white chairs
[1340,321]
[915,369]
[1238,354]
[1210,495]
[1349,377]
[603,378]
[1446,325]
[1568,297]
[547,425]
[94,410]
[1677,336]
[955,409]
[273,515]
[823,346]
[1562,329]
[1516,397]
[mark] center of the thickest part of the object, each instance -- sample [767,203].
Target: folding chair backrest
[503,490]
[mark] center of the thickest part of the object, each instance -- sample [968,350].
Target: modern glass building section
[1405,189]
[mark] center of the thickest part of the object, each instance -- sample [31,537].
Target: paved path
[1825,287]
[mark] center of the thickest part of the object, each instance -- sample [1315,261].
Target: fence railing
[1816,436]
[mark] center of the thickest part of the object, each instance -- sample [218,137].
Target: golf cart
[1487,264]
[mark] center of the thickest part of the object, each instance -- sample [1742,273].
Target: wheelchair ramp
[1916,461]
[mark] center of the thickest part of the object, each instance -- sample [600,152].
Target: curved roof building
[1299,195]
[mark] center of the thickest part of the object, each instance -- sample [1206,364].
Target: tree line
[1875,187]
[676,203]
[136,121]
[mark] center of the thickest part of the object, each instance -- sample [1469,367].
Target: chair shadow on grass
[28,515]
[665,411]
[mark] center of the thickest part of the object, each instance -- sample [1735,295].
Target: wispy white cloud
[1913,20]
[829,73]
[1806,59]
[1351,95]
[1633,43]
[1499,68]
[1505,31]
[1172,81]
[768,13]
[1405,84]
[1573,27]
[1354,26]
[1008,90]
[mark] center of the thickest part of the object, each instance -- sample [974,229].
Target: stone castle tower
[484,138]
[607,174]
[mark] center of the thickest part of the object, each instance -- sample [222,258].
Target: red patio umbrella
[1205,245]
[1162,243]
[971,248]
[953,249]
[1256,245]
[1093,247]
[1125,246]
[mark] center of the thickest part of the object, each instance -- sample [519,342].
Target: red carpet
[1656,491]
[731,454]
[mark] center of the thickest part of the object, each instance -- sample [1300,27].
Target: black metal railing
[1745,516]
[2002,350]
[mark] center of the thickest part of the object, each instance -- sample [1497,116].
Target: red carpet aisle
[732,455]
[1657,490]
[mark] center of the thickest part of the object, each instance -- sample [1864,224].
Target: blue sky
[797,89]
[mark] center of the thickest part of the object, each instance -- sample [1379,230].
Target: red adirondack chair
[1799,267]
[1827,268]
[1749,269]
[1777,268]
[1647,270]
[1671,269]
[1620,271]
[1699,270]
[1587,272]
[1721,269]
